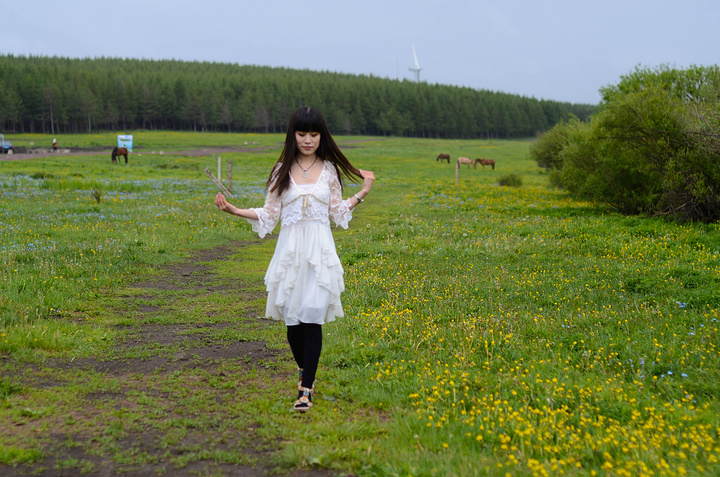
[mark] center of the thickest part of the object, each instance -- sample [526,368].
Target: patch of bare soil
[208,151]
[199,352]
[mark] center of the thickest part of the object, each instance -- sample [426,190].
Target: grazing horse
[119,151]
[443,157]
[466,160]
[485,162]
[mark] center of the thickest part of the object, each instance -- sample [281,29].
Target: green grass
[490,330]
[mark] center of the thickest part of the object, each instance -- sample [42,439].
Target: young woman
[305,277]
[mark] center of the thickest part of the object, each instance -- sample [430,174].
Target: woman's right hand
[222,204]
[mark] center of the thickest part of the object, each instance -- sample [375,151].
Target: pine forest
[61,95]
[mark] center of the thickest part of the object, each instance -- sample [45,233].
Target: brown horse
[485,162]
[466,160]
[443,157]
[119,151]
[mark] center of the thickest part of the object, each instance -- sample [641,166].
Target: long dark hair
[308,119]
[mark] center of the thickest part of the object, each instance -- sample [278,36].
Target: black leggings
[306,344]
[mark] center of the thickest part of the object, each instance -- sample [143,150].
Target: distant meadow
[489,329]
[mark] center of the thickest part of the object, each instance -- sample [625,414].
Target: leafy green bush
[652,149]
[546,151]
[510,180]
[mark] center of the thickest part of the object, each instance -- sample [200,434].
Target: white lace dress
[305,277]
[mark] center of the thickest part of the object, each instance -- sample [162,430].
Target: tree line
[56,95]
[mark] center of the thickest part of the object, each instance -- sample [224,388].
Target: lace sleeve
[268,214]
[340,210]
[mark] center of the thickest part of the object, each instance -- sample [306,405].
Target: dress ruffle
[343,214]
[263,225]
[305,277]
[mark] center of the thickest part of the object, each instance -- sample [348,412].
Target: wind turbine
[417,67]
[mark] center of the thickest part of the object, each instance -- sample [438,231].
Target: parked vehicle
[6,147]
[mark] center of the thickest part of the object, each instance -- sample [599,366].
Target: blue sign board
[126,141]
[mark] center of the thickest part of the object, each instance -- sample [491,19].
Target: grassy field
[490,330]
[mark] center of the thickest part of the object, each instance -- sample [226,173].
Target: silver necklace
[305,170]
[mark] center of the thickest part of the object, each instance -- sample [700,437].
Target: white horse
[466,160]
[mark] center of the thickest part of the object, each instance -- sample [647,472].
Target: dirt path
[209,151]
[168,400]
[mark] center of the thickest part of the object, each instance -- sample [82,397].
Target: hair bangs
[307,120]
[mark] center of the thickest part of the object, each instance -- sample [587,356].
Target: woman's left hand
[368,179]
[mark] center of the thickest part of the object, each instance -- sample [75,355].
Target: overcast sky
[562,50]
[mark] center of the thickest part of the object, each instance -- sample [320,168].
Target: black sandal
[304,400]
